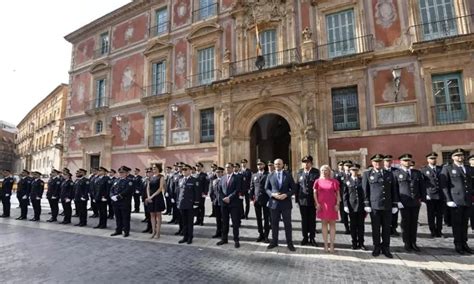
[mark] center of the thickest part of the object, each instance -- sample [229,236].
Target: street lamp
[174,108]
[396,74]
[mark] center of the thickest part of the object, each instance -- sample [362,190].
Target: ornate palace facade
[162,81]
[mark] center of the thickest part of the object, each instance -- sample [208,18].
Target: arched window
[98,127]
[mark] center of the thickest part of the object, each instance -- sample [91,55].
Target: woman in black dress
[156,200]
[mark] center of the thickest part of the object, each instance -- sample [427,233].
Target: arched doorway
[270,139]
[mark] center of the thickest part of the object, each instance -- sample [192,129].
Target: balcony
[451,113]
[267,61]
[157,140]
[98,105]
[157,92]
[159,29]
[204,13]
[442,29]
[344,48]
[203,79]
[101,52]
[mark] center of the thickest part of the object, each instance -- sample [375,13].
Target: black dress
[158,203]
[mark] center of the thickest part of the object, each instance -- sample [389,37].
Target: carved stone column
[226,64]
[307,48]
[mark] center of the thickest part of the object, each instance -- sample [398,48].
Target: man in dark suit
[66,195]
[353,199]
[81,195]
[434,195]
[137,190]
[381,201]
[52,194]
[37,188]
[23,193]
[230,190]
[280,186]
[457,185]
[100,186]
[470,160]
[260,199]
[305,198]
[189,196]
[246,179]
[93,208]
[411,190]
[121,194]
[6,192]
[387,165]
[203,192]
[214,190]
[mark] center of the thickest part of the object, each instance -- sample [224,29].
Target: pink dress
[327,190]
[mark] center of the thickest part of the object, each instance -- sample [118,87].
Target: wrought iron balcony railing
[160,29]
[202,79]
[205,12]
[156,140]
[98,104]
[345,47]
[451,113]
[443,28]
[270,60]
[158,89]
[102,52]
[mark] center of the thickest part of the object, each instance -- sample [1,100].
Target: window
[206,65]
[158,131]
[207,125]
[447,157]
[340,32]
[268,42]
[161,22]
[100,99]
[207,9]
[104,43]
[99,127]
[158,78]
[437,19]
[448,98]
[345,109]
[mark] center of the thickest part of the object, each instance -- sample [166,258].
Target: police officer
[121,194]
[457,184]
[434,195]
[189,196]
[176,219]
[214,194]
[137,187]
[353,199]
[100,196]
[112,178]
[204,190]
[387,165]
[305,198]
[95,212]
[67,195]
[246,179]
[470,160]
[37,188]
[23,193]
[212,175]
[81,195]
[145,181]
[168,176]
[343,174]
[381,201]
[6,192]
[271,167]
[260,199]
[52,194]
[411,191]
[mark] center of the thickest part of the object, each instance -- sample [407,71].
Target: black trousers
[36,208]
[308,221]
[95,210]
[394,224]
[102,208]
[286,216]
[187,216]
[472,219]
[381,219]
[24,207]
[67,211]
[54,205]
[199,212]
[233,213]
[344,216]
[6,205]
[218,214]
[136,200]
[459,220]
[409,224]
[111,208]
[176,214]
[81,210]
[169,206]
[122,212]
[247,204]
[357,227]
[434,210]
[447,214]
[263,224]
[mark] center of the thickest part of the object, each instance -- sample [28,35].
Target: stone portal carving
[385,13]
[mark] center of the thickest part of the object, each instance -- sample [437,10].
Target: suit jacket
[37,188]
[353,194]
[67,190]
[81,189]
[54,188]
[189,193]
[231,189]
[137,185]
[203,183]
[258,192]
[411,188]
[246,180]
[304,195]
[287,187]
[431,182]
[214,191]
[379,190]
[123,189]
[6,188]
[457,186]
[24,187]
[100,188]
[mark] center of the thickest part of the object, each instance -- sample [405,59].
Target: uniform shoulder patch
[87,182]
[130,183]
[197,183]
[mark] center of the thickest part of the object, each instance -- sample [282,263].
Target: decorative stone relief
[307,34]
[80,92]
[128,78]
[180,121]
[125,127]
[257,11]
[385,13]
[182,9]
[390,92]
[226,54]
[129,33]
[180,63]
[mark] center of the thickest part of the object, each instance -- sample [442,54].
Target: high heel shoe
[153,235]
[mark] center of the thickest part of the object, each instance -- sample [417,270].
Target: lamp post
[396,74]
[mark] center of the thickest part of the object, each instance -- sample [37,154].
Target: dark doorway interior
[95,161]
[270,139]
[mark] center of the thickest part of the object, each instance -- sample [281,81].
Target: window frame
[346,93]
[209,138]
[337,36]
[154,135]
[208,61]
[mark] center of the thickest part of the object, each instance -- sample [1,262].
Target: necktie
[228,179]
[279,178]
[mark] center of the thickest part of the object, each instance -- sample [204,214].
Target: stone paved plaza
[53,253]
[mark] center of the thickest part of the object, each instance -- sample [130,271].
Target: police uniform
[203,191]
[411,191]
[6,193]
[470,160]
[341,176]
[457,185]
[246,180]
[189,195]
[95,211]
[81,195]
[353,200]
[304,196]
[169,206]
[214,195]
[110,182]
[121,194]
[260,199]
[52,194]
[37,188]
[212,175]
[23,194]
[394,225]
[100,197]
[174,193]
[67,195]
[381,200]
[138,191]
[434,196]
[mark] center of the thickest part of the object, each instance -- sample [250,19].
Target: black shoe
[407,247]
[459,250]
[75,215]
[20,218]
[52,220]
[170,222]
[394,233]
[190,241]
[61,214]
[115,234]
[34,219]
[177,233]
[5,216]
[387,253]
[432,235]
[93,216]
[312,242]
[266,240]
[110,217]
[96,227]
[354,246]
[66,222]
[196,223]
[362,247]
[103,227]
[260,238]
[82,225]
[467,249]
[415,248]
[272,245]
[212,215]
[90,209]
[304,242]
[77,225]
[145,220]
[217,236]
[438,235]
[347,232]
[222,242]
[236,244]
[291,247]
[182,241]
[136,211]
[126,234]
[376,252]
[148,230]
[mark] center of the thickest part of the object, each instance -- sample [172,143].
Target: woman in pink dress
[326,197]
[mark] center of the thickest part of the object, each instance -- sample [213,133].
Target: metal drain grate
[438,276]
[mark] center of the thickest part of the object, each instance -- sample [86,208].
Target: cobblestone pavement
[51,253]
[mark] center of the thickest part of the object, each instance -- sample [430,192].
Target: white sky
[34,56]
